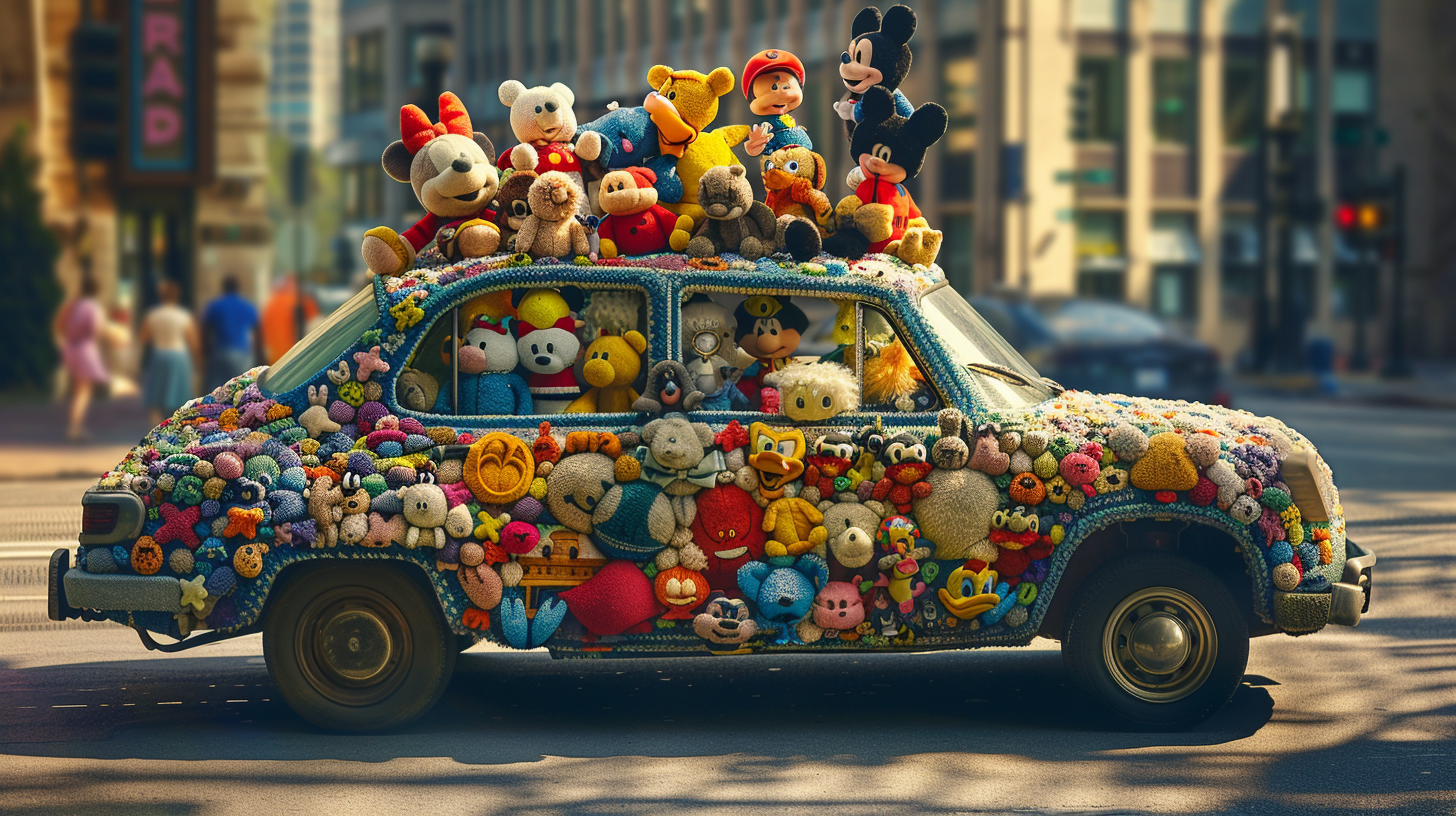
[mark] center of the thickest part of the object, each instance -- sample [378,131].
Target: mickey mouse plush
[452,170]
[881,216]
[878,54]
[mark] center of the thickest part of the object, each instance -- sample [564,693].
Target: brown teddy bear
[735,222]
[511,206]
[551,230]
[452,170]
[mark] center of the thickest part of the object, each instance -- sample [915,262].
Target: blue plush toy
[784,595]
[629,139]
[489,385]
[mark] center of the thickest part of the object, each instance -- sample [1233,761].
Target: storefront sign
[169,76]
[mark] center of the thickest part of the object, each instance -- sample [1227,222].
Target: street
[1347,721]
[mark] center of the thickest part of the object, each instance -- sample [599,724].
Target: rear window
[323,345]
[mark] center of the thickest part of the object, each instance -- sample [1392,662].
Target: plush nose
[785,601]
[730,625]
[542,359]
[462,165]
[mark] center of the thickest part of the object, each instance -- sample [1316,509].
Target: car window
[531,351]
[1004,376]
[323,345]
[891,380]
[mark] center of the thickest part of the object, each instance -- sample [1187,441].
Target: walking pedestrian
[230,334]
[77,327]
[172,335]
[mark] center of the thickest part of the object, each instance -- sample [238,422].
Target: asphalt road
[1347,721]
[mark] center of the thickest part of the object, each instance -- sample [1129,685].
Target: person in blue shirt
[230,334]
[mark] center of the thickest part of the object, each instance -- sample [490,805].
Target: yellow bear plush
[612,365]
[682,105]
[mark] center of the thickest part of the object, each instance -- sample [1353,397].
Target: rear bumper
[1348,599]
[72,593]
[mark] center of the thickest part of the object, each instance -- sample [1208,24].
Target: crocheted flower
[406,313]
[352,392]
[1057,490]
[1110,480]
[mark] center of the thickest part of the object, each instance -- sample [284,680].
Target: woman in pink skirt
[78,326]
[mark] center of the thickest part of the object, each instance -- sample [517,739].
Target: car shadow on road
[504,708]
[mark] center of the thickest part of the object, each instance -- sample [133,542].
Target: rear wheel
[357,647]
[1157,639]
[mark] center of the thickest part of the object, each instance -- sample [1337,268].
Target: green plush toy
[682,105]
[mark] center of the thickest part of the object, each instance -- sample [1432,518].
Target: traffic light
[96,90]
[1368,216]
[1346,216]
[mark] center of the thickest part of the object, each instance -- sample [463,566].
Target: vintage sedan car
[631,457]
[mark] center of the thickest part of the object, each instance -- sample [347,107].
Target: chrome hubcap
[1160,644]
[356,645]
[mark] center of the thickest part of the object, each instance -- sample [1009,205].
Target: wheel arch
[1225,550]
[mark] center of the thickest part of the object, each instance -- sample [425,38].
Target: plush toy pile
[661,531]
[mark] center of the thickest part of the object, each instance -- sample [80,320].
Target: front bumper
[1301,613]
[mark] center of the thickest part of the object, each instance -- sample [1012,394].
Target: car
[1094,345]
[631,457]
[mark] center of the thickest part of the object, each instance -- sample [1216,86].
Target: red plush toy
[619,598]
[636,224]
[729,530]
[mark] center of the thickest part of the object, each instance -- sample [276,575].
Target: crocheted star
[194,594]
[490,526]
[255,414]
[368,363]
[243,521]
[177,525]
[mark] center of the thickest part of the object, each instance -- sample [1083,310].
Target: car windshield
[326,342]
[1004,376]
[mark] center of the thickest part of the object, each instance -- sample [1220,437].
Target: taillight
[99,519]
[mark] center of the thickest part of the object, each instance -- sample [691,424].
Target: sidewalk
[33,442]
[1433,386]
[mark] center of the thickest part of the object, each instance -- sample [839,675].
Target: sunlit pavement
[1348,721]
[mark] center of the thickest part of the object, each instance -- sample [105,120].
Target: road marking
[9,598]
[34,549]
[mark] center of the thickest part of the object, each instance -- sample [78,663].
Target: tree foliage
[28,252]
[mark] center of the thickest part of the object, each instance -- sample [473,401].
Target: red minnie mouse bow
[416,129]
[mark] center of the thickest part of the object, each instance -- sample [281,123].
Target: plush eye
[545,550]
[765,444]
[968,587]
[535,349]
[538,108]
[519,209]
[895,452]
[800,402]
[482,345]
[1033,523]
[864,52]
[550,348]
[826,402]
[732,533]
[919,452]
[792,167]
[767,166]
[605,354]
[881,152]
[787,447]
[672,94]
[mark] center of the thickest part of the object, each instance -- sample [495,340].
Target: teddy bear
[543,120]
[512,206]
[326,508]
[612,365]
[425,510]
[552,230]
[669,388]
[629,139]
[636,224]
[679,456]
[784,595]
[878,55]
[489,384]
[682,105]
[734,222]
[793,183]
[451,168]
[881,216]
[547,346]
[354,523]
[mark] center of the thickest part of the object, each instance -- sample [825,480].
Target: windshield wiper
[1002,372]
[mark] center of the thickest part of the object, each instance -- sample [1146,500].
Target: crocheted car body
[1010,478]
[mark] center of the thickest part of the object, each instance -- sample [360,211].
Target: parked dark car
[1105,347]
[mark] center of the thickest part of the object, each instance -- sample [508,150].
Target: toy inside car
[387,494]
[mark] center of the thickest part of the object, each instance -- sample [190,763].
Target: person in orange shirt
[282,316]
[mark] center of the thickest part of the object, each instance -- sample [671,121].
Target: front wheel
[1157,639]
[357,647]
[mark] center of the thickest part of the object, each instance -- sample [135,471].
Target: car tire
[357,647]
[1157,639]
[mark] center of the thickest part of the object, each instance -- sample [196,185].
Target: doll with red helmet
[773,84]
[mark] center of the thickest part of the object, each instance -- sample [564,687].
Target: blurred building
[303,86]
[1108,148]
[156,167]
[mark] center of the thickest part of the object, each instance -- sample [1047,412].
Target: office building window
[1101,99]
[1100,15]
[1243,101]
[364,71]
[957,256]
[1174,253]
[363,191]
[1353,91]
[676,20]
[1174,17]
[1174,94]
[1243,18]
[1101,258]
[959,93]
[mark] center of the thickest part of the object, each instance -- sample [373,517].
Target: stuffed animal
[906,467]
[709,350]
[544,122]
[878,55]
[776,458]
[833,457]
[547,346]
[793,180]
[636,224]
[728,529]
[794,526]
[629,139]
[451,168]
[734,221]
[724,621]
[816,391]
[326,508]
[679,456]
[612,365]
[488,383]
[773,84]
[416,390]
[512,206]
[784,595]
[425,509]
[769,329]
[898,537]
[552,230]
[669,388]
[682,105]
[881,216]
